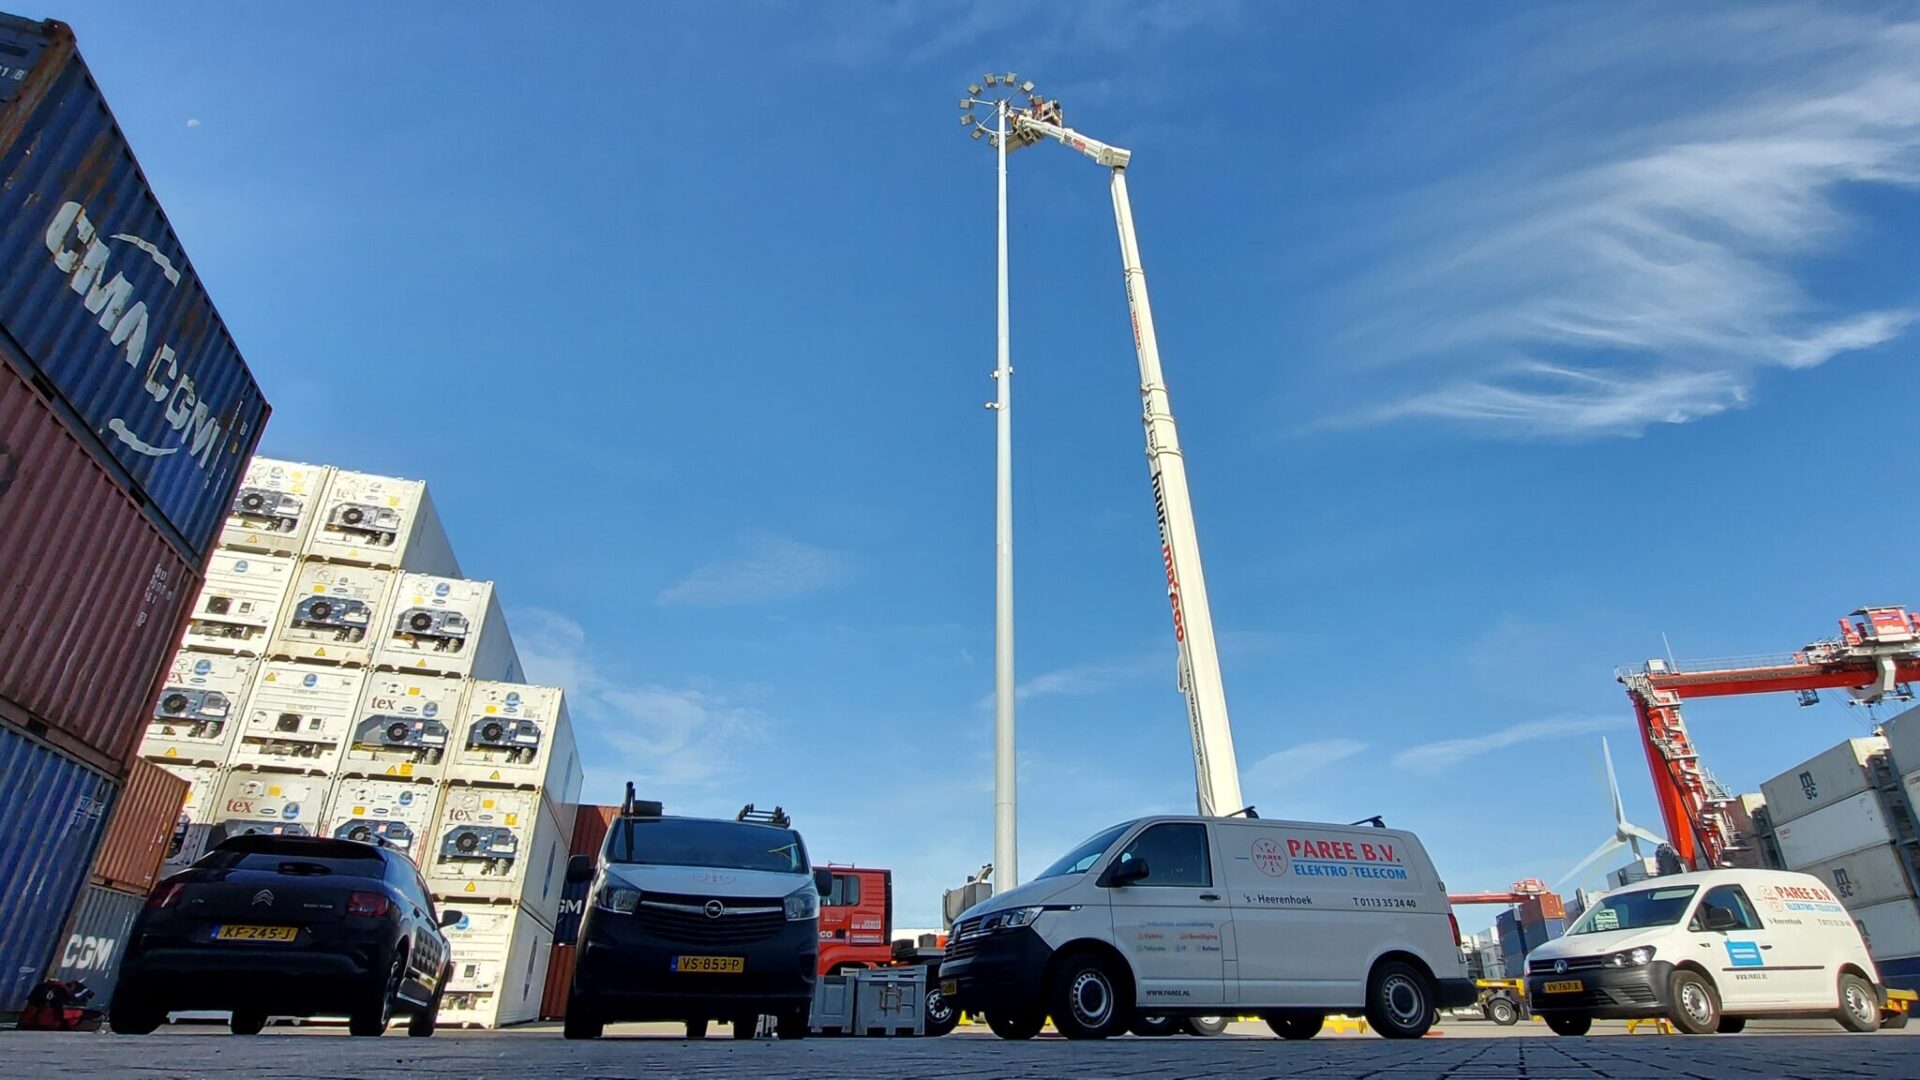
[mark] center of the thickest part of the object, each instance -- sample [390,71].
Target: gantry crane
[1216,773]
[1876,655]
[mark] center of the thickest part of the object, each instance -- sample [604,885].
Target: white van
[1707,951]
[1194,916]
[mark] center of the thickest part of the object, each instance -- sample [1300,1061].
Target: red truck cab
[856,920]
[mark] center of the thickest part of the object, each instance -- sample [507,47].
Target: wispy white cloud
[1284,768]
[1446,753]
[193,122]
[1648,271]
[662,737]
[764,568]
[1087,680]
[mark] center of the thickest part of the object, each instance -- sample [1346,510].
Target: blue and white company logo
[201,667]
[1745,954]
[441,589]
[240,566]
[431,708]
[310,681]
[126,322]
[290,811]
[513,699]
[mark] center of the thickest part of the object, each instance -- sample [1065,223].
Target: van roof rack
[645,808]
[776,816]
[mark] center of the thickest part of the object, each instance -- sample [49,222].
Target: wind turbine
[1625,833]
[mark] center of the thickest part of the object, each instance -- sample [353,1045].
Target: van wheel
[1295,1025]
[1400,1001]
[130,1015]
[247,1022]
[1085,999]
[1204,1026]
[1694,1005]
[582,1022]
[1502,1011]
[1015,1026]
[1569,1023]
[1732,1025]
[1859,1005]
[1154,1027]
[696,1029]
[745,1027]
[942,1017]
[793,1024]
[1893,1021]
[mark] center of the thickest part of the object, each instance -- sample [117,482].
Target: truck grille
[684,918]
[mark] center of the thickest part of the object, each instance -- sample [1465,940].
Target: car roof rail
[776,816]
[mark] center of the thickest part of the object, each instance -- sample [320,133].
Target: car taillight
[1454,921]
[166,894]
[369,904]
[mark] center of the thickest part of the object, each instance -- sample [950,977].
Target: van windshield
[722,845]
[1636,910]
[1081,859]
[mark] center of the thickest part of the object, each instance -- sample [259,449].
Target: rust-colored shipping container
[1539,909]
[553,999]
[140,829]
[590,825]
[92,596]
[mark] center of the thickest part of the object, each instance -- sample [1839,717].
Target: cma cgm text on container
[99,296]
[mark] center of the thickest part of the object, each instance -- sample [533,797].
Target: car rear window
[295,855]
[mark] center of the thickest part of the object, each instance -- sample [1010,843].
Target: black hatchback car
[288,926]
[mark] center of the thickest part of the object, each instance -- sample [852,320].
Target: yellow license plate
[711,965]
[950,987]
[1568,986]
[256,933]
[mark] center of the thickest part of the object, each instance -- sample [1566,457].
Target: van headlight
[803,903]
[1631,958]
[617,898]
[1010,919]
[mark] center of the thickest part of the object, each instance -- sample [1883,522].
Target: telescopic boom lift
[1216,773]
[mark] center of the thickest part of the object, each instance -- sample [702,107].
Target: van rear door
[1173,925]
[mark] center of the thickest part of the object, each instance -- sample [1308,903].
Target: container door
[1749,965]
[1172,924]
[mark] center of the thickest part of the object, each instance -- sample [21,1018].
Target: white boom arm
[1216,772]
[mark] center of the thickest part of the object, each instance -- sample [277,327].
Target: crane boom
[1216,771]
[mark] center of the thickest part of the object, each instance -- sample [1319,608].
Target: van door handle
[1209,896]
[1766,946]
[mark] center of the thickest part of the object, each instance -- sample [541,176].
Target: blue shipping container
[95,939]
[98,294]
[52,812]
[573,905]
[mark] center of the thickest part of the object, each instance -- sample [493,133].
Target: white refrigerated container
[275,507]
[1830,777]
[402,726]
[1869,876]
[333,613]
[198,713]
[239,606]
[499,844]
[254,801]
[397,813]
[1834,831]
[381,521]
[299,717]
[500,955]
[447,626]
[515,735]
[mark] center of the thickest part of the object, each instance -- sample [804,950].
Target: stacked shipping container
[590,827]
[126,415]
[334,681]
[1843,817]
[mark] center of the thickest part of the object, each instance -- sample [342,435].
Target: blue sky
[1504,339]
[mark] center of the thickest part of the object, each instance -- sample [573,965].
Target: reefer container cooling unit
[282,804]
[447,626]
[274,509]
[299,718]
[197,715]
[333,613]
[499,844]
[500,955]
[403,726]
[240,603]
[381,521]
[513,735]
[397,813]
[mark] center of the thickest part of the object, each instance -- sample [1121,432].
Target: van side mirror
[823,881]
[579,869]
[450,917]
[1718,918]
[1126,873]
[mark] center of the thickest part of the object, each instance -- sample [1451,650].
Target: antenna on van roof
[1376,821]
[776,816]
[1245,812]
[635,807]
